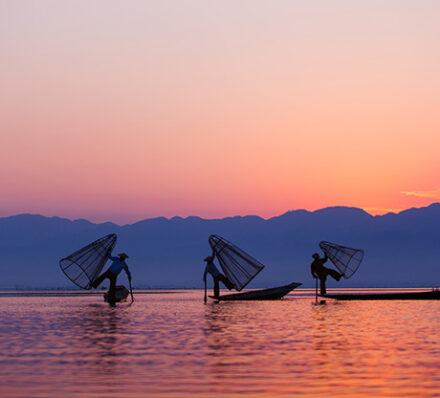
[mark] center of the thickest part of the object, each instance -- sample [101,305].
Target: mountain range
[401,250]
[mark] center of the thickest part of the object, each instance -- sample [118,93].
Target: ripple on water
[174,345]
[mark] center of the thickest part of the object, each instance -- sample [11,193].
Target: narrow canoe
[427,295]
[121,294]
[274,293]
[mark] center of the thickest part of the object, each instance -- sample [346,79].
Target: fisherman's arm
[112,258]
[127,271]
[312,270]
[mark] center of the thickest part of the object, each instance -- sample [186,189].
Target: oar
[131,291]
[206,298]
[316,290]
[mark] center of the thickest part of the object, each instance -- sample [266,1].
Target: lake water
[173,345]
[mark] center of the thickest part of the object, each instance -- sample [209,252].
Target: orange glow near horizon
[123,113]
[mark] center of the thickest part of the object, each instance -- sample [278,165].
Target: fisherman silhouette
[216,275]
[319,271]
[112,274]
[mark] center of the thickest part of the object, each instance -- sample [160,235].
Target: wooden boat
[274,293]
[121,294]
[426,295]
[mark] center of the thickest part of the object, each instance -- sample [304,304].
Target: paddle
[131,291]
[316,290]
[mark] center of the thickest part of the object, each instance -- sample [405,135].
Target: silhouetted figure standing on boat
[112,274]
[216,275]
[319,271]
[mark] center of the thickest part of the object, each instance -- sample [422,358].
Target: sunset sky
[124,110]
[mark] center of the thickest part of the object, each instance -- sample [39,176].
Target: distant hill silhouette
[400,249]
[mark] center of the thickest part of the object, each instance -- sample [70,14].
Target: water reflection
[177,346]
[99,337]
[249,343]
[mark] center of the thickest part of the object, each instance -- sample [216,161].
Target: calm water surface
[172,345]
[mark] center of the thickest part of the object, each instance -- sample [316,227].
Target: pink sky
[114,110]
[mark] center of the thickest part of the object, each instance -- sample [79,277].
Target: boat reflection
[97,339]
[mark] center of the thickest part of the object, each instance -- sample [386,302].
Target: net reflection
[98,339]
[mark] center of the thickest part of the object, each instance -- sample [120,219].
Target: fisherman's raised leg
[334,274]
[226,281]
[100,279]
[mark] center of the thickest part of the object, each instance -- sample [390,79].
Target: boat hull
[121,294]
[274,293]
[427,295]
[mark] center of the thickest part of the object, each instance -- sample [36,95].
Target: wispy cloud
[424,194]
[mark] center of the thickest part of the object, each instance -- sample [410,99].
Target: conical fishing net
[85,265]
[346,259]
[239,267]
